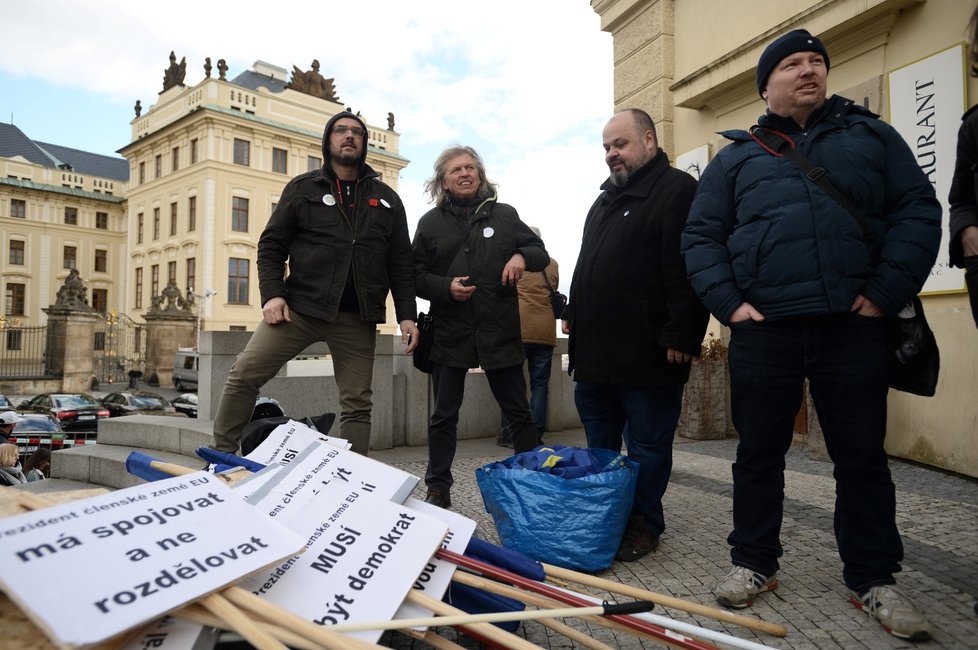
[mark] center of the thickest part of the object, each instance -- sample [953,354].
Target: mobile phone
[466,282]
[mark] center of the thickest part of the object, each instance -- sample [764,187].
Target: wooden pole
[748,622]
[485,631]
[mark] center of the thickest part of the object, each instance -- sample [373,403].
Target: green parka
[453,241]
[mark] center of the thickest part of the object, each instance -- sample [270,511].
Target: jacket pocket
[315,214]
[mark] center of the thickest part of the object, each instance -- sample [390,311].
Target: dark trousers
[448,384]
[539,360]
[647,419]
[844,359]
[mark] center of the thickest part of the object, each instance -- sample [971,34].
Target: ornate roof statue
[222,69]
[173,76]
[71,295]
[173,299]
[390,121]
[207,67]
[313,83]
[138,108]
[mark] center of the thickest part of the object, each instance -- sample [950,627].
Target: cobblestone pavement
[937,515]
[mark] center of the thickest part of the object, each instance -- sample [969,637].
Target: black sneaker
[503,440]
[440,498]
[638,541]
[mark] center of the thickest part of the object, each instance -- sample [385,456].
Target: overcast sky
[528,83]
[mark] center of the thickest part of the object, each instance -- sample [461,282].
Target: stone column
[165,332]
[69,351]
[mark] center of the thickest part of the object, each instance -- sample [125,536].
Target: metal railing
[22,351]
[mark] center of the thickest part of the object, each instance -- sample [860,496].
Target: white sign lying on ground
[364,553]
[317,465]
[133,555]
[437,574]
[173,634]
[286,438]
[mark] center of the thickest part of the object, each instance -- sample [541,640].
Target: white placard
[173,634]
[926,103]
[317,465]
[291,435]
[130,556]
[364,553]
[434,579]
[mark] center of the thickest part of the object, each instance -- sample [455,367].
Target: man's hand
[969,240]
[459,292]
[746,311]
[514,269]
[866,307]
[409,335]
[276,311]
[565,326]
[675,356]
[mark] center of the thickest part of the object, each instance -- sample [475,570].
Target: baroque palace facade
[691,64]
[201,175]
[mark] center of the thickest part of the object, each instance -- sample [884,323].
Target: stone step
[178,435]
[169,439]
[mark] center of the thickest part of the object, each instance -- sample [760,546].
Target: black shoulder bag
[558,301]
[914,361]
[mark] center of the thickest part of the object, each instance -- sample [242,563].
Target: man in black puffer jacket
[344,235]
[786,266]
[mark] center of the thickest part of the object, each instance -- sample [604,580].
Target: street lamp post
[209,293]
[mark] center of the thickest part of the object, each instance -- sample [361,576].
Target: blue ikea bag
[566,506]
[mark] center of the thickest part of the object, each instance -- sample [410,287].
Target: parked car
[75,411]
[5,404]
[34,430]
[137,402]
[265,407]
[186,404]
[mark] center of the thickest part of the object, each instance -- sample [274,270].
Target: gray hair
[435,186]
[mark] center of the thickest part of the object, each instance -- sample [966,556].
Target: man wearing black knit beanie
[776,256]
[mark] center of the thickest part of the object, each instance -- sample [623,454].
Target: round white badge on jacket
[488,232]
[329,199]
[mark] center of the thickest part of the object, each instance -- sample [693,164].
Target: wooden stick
[659,633]
[535,600]
[748,622]
[436,641]
[198,614]
[326,637]
[489,617]
[485,631]
[220,607]
[543,601]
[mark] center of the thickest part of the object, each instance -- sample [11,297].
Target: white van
[185,369]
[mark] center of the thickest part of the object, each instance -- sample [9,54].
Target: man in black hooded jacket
[344,235]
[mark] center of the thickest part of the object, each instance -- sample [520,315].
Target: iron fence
[119,347]
[22,352]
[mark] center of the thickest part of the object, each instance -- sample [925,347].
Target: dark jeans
[538,363]
[651,415]
[844,359]
[448,384]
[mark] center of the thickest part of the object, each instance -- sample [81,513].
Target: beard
[620,178]
[344,156]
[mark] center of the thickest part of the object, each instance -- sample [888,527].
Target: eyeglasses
[343,128]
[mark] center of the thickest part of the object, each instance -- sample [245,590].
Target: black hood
[329,129]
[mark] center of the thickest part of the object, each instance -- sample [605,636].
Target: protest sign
[133,555]
[317,465]
[291,435]
[173,634]
[363,555]
[436,575]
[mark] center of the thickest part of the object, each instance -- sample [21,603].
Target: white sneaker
[894,610]
[738,588]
